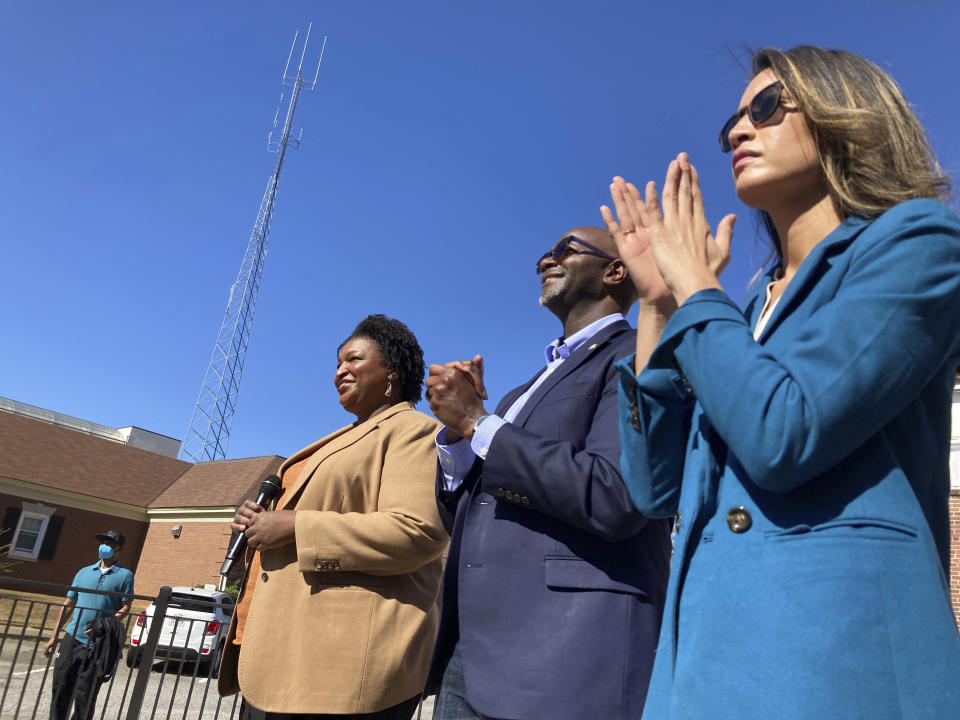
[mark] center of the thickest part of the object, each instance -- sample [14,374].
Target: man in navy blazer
[554,586]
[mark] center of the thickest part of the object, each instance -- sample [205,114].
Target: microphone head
[270,487]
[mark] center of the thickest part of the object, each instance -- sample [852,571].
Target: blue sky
[447,146]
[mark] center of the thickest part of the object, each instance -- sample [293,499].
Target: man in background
[76,675]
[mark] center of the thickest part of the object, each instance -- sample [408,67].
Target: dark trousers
[451,702]
[403,711]
[75,679]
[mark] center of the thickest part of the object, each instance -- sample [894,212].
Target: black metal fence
[168,669]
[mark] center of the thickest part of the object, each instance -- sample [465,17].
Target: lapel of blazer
[587,350]
[511,397]
[808,273]
[327,446]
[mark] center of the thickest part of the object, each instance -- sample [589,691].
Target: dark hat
[112,536]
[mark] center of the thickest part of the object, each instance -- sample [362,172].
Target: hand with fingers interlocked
[456,393]
[688,256]
[473,371]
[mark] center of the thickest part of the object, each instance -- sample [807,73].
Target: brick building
[189,528]
[63,480]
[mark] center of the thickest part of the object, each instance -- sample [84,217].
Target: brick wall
[955,553]
[76,545]
[192,559]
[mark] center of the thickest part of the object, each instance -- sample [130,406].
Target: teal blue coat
[810,473]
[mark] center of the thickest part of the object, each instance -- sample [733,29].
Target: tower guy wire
[208,435]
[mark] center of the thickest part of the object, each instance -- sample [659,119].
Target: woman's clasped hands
[666,243]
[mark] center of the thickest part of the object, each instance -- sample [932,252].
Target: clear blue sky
[447,146]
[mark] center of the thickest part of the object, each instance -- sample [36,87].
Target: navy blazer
[810,470]
[555,582]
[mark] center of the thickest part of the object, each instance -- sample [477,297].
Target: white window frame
[35,512]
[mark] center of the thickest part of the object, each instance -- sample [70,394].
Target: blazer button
[264,577]
[739,519]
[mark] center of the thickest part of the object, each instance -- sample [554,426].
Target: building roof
[218,483]
[54,456]
[132,435]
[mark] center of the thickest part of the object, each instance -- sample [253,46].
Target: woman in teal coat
[802,442]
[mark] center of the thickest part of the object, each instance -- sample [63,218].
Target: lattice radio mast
[209,431]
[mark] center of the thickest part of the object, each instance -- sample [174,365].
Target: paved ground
[174,691]
[426,712]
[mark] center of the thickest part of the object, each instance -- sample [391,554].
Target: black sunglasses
[562,249]
[763,105]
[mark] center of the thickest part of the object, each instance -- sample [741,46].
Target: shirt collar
[560,349]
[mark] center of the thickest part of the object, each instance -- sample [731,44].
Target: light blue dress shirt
[457,458]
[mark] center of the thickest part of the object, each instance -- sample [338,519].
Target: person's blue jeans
[451,702]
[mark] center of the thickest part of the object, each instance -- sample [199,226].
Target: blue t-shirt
[91,606]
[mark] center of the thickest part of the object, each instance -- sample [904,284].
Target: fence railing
[168,669]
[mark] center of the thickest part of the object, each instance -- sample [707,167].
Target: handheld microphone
[269,489]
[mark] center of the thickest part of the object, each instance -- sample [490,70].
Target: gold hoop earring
[389,389]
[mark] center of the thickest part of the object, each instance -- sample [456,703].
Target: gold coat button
[739,519]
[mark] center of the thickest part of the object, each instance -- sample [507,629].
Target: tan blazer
[344,620]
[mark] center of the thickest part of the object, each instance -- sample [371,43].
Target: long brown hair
[873,150]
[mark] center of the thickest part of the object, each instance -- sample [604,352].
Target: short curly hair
[399,350]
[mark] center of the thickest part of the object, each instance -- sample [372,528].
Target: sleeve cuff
[483,437]
[701,307]
[662,383]
[456,459]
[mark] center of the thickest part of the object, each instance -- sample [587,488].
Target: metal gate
[153,679]
[164,672]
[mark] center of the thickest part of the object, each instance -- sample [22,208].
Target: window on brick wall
[35,531]
[28,536]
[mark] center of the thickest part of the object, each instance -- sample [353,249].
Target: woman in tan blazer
[339,609]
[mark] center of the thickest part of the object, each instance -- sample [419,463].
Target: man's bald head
[623,292]
[583,281]
[597,236]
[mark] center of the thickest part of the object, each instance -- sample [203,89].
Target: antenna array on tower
[209,432]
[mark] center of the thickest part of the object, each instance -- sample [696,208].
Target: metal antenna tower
[209,431]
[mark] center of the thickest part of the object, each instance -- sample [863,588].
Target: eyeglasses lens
[761,108]
[765,102]
[556,253]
